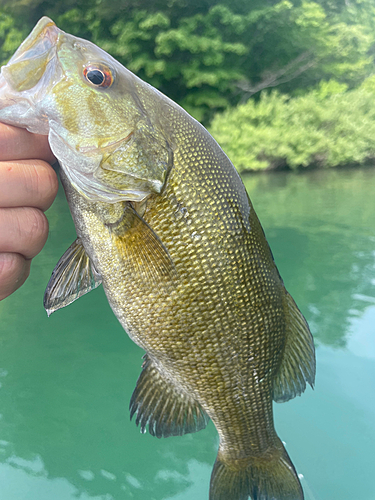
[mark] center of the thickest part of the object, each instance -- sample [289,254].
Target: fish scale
[208,260]
[250,429]
[165,224]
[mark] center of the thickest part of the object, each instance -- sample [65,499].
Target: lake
[66,381]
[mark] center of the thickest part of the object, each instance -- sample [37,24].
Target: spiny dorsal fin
[298,363]
[73,276]
[159,405]
[142,250]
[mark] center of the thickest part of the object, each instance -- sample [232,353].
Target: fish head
[89,105]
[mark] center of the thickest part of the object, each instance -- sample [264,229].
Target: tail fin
[268,477]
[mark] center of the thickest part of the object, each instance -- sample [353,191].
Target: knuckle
[34,228]
[9,266]
[46,183]
[37,223]
[13,272]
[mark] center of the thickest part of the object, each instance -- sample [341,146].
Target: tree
[10,36]
[208,55]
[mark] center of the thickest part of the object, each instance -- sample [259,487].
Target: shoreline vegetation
[280,84]
[327,127]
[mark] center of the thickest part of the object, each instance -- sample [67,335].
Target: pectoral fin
[141,249]
[73,276]
[159,405]
[298,363]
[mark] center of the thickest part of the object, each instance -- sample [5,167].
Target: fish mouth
[28,65]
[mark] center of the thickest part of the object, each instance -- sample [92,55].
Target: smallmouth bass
[165,224]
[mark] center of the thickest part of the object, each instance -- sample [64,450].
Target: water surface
[66,380]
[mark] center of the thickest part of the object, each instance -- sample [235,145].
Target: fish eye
[98,75]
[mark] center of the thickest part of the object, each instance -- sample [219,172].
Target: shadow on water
[66,381]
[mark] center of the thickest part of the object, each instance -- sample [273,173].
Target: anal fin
[73,276]
[298,362]
[159,405]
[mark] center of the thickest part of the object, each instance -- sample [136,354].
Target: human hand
[28,187]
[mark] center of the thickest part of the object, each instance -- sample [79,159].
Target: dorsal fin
[298,363]
[73,276]
[166,410]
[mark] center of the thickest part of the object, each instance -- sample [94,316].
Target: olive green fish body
[217,329]
[165,224]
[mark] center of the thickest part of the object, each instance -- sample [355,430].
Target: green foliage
[369,84]
[327,127]
[10,37]
[213,54]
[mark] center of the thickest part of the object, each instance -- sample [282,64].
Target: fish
[165,225]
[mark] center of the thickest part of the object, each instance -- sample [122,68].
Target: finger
[27,183]
[23,230]
[19,144]
[14,269]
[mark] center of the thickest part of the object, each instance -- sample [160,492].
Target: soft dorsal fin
[73,276]
[298,362]
[159,405]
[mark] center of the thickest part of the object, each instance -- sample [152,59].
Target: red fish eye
[98,75]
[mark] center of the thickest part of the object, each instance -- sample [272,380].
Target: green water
[66,381]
